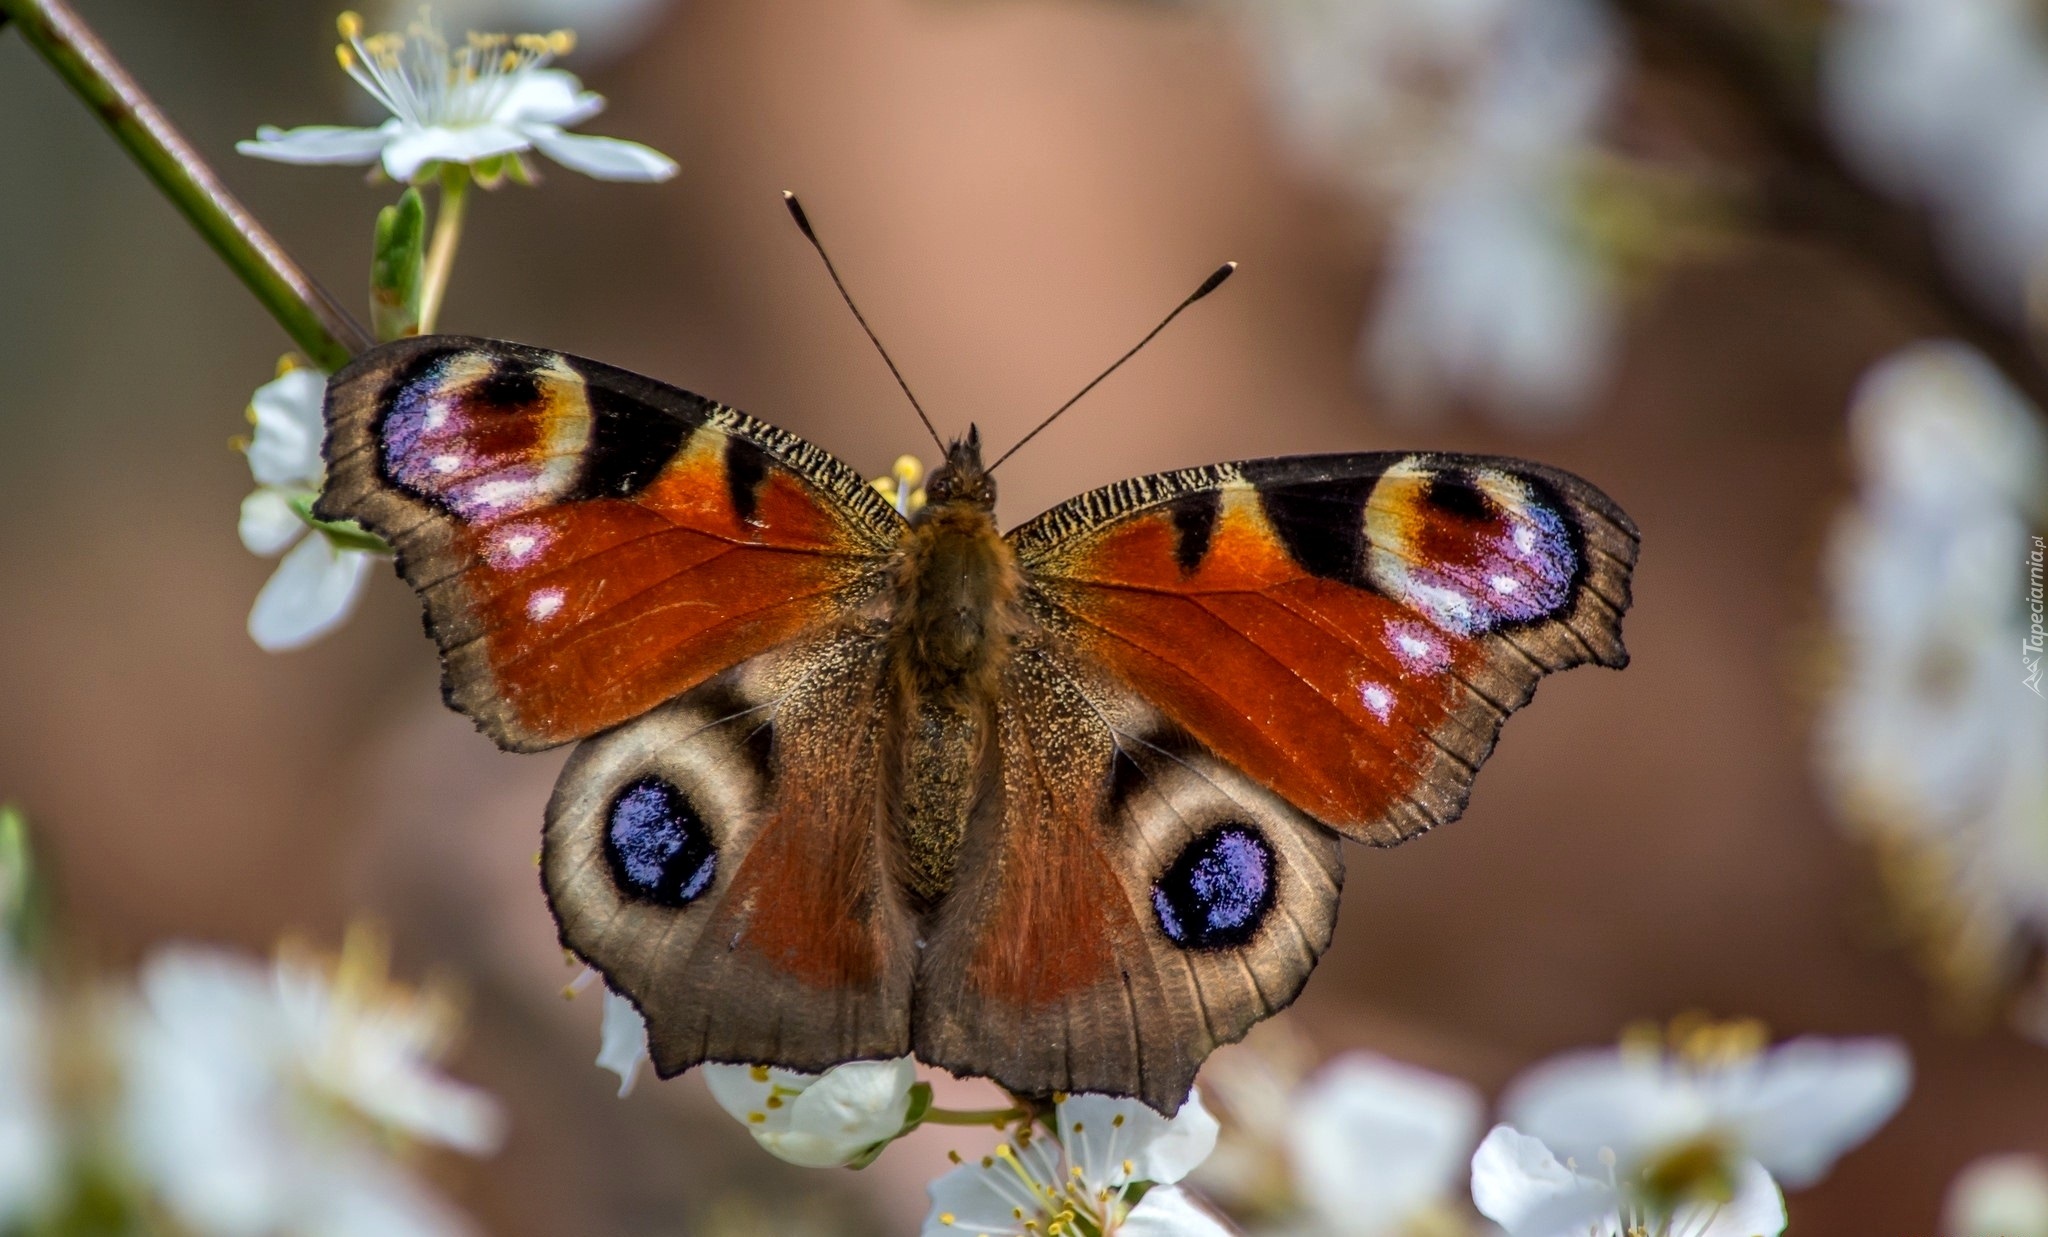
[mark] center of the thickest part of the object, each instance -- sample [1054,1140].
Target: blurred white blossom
[604,28]
[1930,739]
[29,1134]
[1684,1115]
[318,582]
[266,1100]
[1365,1147]
[1999,1196]
[622,1041]
[1945,104]
[491,98]
[1082,1179]
[1471,120]
[817,1120]
[1519,1184]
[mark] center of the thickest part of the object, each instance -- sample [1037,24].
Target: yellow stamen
[350,23]
[759,1073]
[561,42]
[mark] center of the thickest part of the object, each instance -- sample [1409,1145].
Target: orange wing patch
[1325,692]
[1349,631]
[589,543]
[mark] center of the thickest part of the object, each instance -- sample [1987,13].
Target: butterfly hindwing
[1125,902]
[1350,631]
[588,542]
[721,861]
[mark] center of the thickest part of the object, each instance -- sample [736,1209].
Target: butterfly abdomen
[954,594]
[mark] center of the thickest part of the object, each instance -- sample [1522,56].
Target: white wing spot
[1505,585]
[542,603]
[1377,700]
[447,463]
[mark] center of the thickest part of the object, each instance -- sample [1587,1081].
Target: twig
[315,321]
[1810,189]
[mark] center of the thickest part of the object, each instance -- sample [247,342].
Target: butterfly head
[962,479]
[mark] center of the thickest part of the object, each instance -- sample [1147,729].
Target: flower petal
[1167,1211]
[850,1109]
[1806,1102]
[622,1041]
[1102,1134]
[308,596]
[1635,1105]
[415,148]
[29,1136]
[549,97]
[1998,1196]
[285,449]
[607,158]
[268,524]
[744,1091]
[1757,1210]
[971,1199]
[318,143]
[1514,1176]
[1376,1140]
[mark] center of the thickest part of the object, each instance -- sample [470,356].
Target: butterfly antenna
[803,223]
[1209,285]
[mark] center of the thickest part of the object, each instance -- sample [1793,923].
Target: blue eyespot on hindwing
[658,845]
[1218,890]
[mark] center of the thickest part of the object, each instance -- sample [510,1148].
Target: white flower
[817,1120]
[1999,1196]
[1520,1185]
[1688,1116]
[1491,296]
[261,1101]
[622,1041]
[29,1138]
[1930,741]
[1470,120]
[1039,1184]
[1376,1144]
[492,97]
[1945,104]
[318,582]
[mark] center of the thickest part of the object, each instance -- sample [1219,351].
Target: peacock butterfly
[1059,807]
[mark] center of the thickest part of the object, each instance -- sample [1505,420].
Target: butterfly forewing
[589,543]
[1348,630]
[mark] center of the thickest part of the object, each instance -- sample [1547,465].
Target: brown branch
[1809,189]
[322,329]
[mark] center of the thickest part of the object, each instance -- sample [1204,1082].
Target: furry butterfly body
[1060,807]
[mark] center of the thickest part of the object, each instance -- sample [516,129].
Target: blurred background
[1665,244]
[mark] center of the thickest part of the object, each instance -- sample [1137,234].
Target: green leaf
[347,534]
[23,899]
[396,268]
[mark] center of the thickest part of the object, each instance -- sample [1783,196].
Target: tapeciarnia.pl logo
[2031,646]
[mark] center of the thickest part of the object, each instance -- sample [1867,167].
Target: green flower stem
[314,320]
[974,1116]
[448,216]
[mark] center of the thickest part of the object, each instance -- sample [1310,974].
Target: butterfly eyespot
[1218,890]
[659,846]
